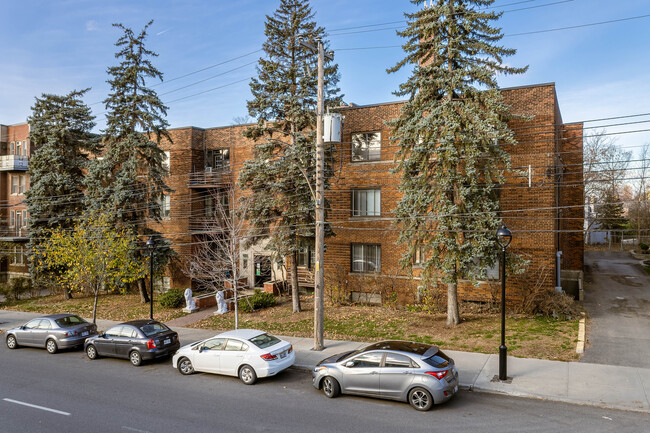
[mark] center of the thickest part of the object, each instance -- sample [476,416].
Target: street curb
[580,348]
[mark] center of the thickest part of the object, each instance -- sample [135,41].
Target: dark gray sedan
[397,370]
[53,332]
[137,341]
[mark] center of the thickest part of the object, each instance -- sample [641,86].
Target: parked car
[246,353]
[397,370]
[137,341]
[53,332]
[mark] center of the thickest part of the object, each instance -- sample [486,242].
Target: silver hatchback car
[397,370]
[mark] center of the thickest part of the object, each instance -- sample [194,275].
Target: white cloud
[92,26]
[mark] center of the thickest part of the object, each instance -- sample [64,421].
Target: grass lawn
[528,337]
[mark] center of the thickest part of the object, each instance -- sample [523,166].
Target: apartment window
[366,202]
[19,148]
[166,163]
[18,256]
[218,159]
[165,206]
[162,284]
[366,258]
[19,219]
[420,256]
[14,184]
[306,257]
[24,218]
[366,146]
[25,147]
[22,181]
[12,218]
[12,148]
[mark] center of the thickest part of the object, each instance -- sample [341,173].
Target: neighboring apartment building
[542,201]
[15,150]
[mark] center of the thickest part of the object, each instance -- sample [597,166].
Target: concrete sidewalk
[613,387]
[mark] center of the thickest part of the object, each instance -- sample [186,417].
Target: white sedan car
[247,353]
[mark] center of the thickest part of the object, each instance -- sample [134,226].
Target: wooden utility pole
[320,211]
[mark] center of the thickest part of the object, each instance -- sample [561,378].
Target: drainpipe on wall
[558,286]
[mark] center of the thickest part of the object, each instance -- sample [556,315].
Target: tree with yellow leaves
[93,255]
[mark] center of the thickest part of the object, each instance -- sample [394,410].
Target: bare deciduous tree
[215,259]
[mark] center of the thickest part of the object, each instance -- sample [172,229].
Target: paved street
[617,299]
[71,393]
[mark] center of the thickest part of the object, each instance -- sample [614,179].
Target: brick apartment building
[541,201]
[14,181]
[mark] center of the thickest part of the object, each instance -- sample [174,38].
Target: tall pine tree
[451,134]
[284,104]
[60,133]
[129,181]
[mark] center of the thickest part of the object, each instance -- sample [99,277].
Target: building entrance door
[262,270]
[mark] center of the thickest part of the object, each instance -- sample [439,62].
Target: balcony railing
[210,225]
[14,162]
[13,232]
[210,179]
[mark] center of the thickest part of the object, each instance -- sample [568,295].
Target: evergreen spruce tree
[611,213]
[451,134]
[60,133]
[129,181]
[284,104]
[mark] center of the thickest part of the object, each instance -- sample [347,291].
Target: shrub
[644,247]
[15,288]
[259,300]
[172,298]
[550,303]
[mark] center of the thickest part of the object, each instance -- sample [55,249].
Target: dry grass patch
[526,336]
[109,307]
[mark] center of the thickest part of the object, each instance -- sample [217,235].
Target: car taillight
[290,349]
[151,344]
[268,357]
[438,374]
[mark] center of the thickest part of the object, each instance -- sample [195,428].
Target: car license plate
[283,355]
[83,334]
[455,389]
[167,341]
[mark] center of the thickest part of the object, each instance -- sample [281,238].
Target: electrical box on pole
[332,124]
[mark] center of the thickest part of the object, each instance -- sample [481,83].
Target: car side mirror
[349,364]
[102,334]
[201,349]
[22,327]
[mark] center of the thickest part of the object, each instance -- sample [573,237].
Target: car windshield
[264,340]
[66,322]
[153,328]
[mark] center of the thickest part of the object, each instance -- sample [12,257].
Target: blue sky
[600,71]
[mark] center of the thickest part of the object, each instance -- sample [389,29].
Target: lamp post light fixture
[150,246]
[504,236]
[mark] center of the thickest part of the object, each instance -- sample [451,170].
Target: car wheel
[91,352]
[420,399]
[135,358]
[51,347]
[185,366]
[331,387]
[247,374]
[11,342]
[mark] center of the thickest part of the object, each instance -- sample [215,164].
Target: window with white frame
[19,148]
[366,258]
[18,256]
[22,184]
[24,218]
[166,162]
[162,284]
[366,146]
[165,205]
[12,148]
[420,257]
[366,202]
[12,218]
[306,257]
[14,184]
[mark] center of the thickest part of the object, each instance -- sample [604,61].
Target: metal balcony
[13,234]
[210,179]
[205,225]
[14,163]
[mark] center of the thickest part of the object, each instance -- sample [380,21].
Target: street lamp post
[504,236]
[150,246]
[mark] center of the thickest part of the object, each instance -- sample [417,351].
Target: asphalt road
[617,299]
[67,392]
